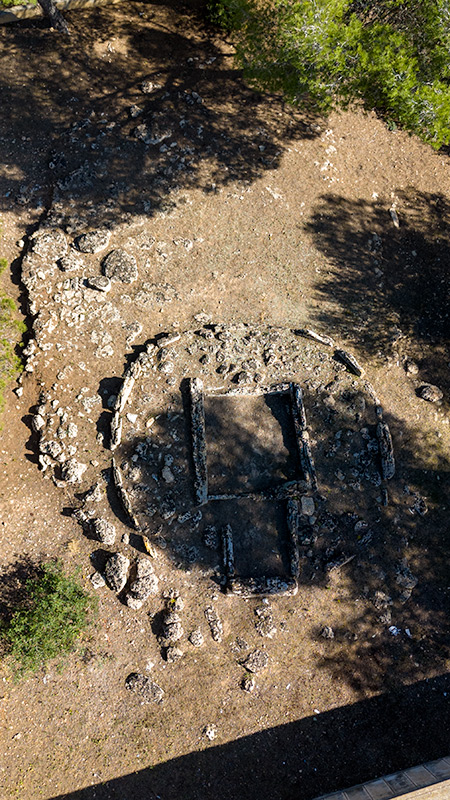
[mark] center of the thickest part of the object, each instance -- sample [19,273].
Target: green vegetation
[391,56]
[48,621]
[11,3]
[11,332]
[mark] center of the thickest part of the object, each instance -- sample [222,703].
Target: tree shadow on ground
[300,760]
[107,146]
[389,285]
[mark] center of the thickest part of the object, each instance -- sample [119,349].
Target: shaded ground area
[243,211]
[288,761]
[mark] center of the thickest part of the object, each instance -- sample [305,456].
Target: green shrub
[391,56]
[48,621]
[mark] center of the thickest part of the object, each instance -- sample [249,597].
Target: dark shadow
[303,759]
[392,558]
[388,288]
[90,154]
[13,585]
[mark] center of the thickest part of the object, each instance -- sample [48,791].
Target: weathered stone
[37,423]
[430,393]
[93,241]
[264,623]
[256,661]
[308,506]
[120,266]
[386,451]
[198,440]
[50,448]
[349,361]
[210,731]
[145,584]
[214,622]
[99,282]
[49,243]
[317,337]
[73,470]
[104,531]
[411,367]
[196,638]
[248,683]
[173,654]
[143,686]
[97,580]
[116,571]
[172,629]
[70,262]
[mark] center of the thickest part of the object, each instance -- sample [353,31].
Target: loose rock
[120,266]
[214,622]
[104,531]
[143,686]
[93,242]
[116,571]
[430,393]
[256,661]
[196,638]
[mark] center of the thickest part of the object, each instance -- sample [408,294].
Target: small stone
[37,423]
[120,266]
[104,531]
[214,622]
[167,475]
[97,580]
[99,282]
[256,661]
[308,506]
[196,638]
[172,630]
[430,393]
[135,111]
[73,470]
[173,654]
[143,686]
[210,731]
[411,368]
[248,683]
[49,243]
[70,262]
[93,242]
[327,632]
[242,377]
[265,624]
[145,585]
[116,571]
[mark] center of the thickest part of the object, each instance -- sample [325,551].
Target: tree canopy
[392,56]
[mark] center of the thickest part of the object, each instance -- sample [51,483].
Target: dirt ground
[273,219]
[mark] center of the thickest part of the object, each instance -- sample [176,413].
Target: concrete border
[430,781]
[17,13]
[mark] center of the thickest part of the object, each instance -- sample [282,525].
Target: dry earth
[241,211]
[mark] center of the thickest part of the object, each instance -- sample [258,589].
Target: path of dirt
[238,210]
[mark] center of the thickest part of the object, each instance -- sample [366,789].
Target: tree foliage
[48,621]
[391,56]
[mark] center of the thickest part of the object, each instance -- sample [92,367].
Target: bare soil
[275,219]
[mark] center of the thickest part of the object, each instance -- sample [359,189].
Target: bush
[51,616]
[391,55]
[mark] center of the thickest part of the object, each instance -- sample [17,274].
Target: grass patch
[12,3]
[51,615]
